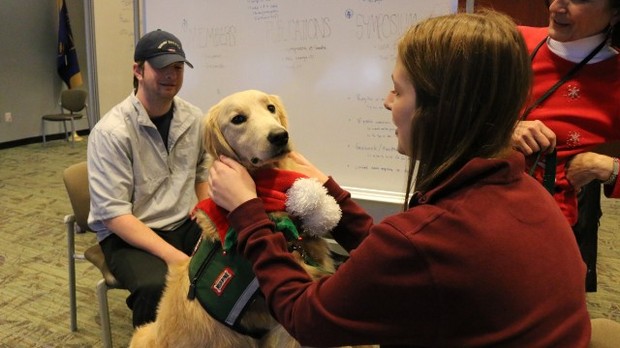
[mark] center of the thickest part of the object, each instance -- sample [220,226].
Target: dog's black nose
[279,138]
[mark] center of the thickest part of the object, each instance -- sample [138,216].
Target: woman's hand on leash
[230,184]
[302,165]
[533,136]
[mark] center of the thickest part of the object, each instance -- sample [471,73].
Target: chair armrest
[72,229]
[71,220]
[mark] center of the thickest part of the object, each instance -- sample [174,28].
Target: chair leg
[71,261]
[72,132]
[64,125]
[72,299]
[104,314]
[43,130]
[87,118]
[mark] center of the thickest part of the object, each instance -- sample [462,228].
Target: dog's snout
[279,138]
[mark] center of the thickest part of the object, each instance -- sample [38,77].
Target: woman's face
[401,100]
[571,20]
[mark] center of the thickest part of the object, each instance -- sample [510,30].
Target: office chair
[75,178]
[73,100]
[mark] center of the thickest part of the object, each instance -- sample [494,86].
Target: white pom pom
[308,200]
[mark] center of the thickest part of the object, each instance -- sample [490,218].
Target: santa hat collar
[271,187]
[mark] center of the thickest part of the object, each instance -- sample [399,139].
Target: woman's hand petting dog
[230,184]
[300,164]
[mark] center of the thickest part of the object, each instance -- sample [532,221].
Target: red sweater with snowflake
[583,113]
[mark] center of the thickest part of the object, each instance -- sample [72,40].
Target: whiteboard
[330,62]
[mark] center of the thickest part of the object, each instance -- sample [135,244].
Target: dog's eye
[238,119]
[271,108]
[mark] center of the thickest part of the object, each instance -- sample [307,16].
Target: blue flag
[67,61]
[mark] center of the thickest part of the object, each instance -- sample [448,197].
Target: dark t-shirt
[163,125]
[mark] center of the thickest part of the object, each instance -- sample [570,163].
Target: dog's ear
[281,111]
[208,128]
[212,133]
[213,141]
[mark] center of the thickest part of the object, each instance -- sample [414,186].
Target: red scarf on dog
[271,187]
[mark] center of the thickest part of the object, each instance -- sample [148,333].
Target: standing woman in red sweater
[578,51]
[480,256]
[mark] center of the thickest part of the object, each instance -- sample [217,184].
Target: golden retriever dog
[251,127]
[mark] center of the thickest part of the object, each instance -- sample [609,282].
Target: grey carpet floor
[34,300]
[34,309]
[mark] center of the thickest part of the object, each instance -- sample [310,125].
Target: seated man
[145,164]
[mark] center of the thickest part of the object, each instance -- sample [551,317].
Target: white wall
[29,84]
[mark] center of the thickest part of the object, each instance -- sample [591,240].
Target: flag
[67,62]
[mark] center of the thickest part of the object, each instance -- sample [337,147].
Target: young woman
[481,256]
[579,49]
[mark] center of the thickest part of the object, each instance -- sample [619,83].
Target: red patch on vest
[222,281]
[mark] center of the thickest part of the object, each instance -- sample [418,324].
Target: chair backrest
[73,100]
[76,183]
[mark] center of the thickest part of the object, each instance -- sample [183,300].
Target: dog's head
[249,126]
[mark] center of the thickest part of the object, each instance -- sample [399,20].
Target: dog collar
[271,187]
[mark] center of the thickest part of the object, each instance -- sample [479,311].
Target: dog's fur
[251,127]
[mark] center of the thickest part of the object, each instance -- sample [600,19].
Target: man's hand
[136,233]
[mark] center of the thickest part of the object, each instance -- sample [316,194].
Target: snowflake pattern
[573,139]
[572,92]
